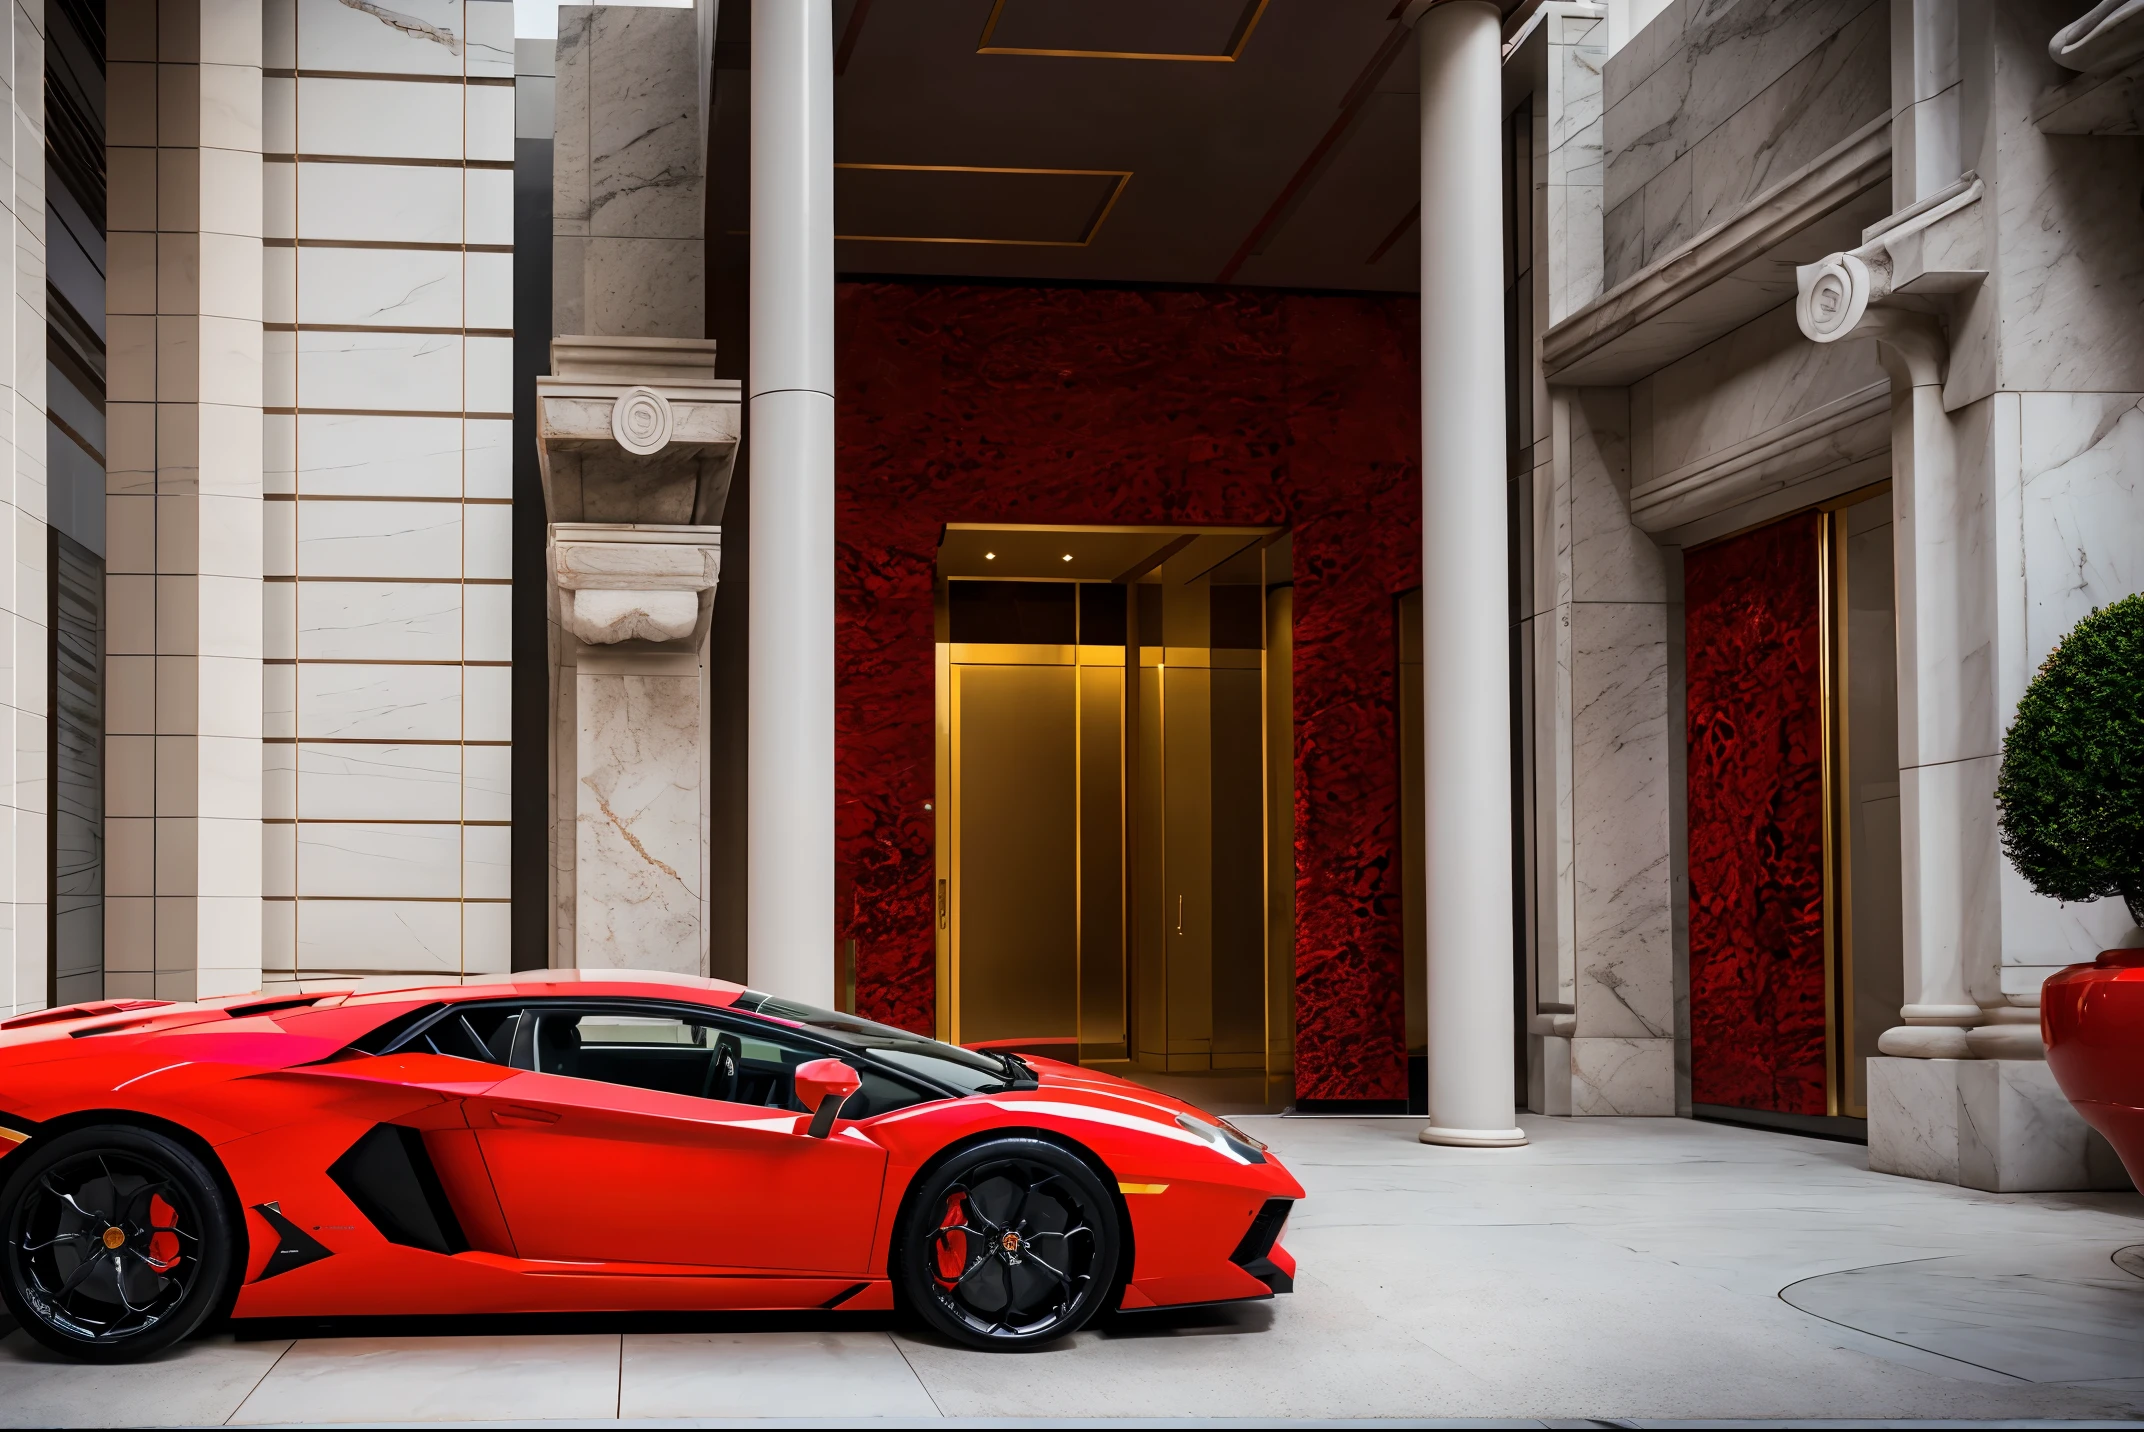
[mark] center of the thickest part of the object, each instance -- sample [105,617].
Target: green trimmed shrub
[2071,790]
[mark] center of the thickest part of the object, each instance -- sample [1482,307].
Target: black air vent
[390,1178]
[1251,1253]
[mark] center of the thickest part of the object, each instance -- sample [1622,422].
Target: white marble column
[1466,717]
[790,707]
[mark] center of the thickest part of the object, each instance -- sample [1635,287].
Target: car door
[605,1146]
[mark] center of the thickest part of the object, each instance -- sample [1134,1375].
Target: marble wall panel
[1610,560]
[488,459]
[385,203]
[379,621]
[419,37]
[377,703]
[966,403]
[1763,376]
[364,937]
[487,937]
[489,206]
[487,622]
[1713,95]
[487,541]
[2070,283]
[1624,939]
[392,372]
[402,288]
[378,539]
[1834,89]
[644,143]
[380,861]
[376,782]
[1623,1076]
[486,783]
[488,697]
[1755,820]
[359,455]
[638,844]
[377,119]
[488,290]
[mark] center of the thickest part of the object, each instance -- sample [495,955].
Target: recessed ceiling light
[990,556]
[1068,556]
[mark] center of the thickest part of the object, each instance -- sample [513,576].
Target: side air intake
[390,1178]
[1258,1241]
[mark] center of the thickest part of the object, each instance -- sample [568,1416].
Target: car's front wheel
[1009,1244]
[119,1242]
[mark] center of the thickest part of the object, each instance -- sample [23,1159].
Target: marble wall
[1593,628]
[183,712]
[386,469]
[24,916]
[628,186]
[1716,100]
[1098,406]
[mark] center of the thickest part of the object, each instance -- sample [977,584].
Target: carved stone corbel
[1906,264]
[636,587]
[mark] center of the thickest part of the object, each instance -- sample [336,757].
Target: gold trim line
[1094,225]
[1241,38]
[10,1138]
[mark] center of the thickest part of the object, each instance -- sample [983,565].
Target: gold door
[1116,806]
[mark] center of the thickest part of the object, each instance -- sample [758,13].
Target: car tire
[120,1242]
[1009,1244]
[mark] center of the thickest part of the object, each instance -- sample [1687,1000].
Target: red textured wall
[971,403]
[1756,811]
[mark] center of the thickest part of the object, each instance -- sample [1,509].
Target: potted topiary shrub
[2071,794]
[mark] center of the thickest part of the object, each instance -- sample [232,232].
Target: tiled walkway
[1630,1269]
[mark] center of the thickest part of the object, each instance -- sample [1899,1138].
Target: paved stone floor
[1648,1271]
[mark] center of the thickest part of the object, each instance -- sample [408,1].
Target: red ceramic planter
[2092,1021]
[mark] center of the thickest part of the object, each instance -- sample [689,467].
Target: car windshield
[967,1070]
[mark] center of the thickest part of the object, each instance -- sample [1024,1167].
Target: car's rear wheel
[1009,1244]
[119,1242]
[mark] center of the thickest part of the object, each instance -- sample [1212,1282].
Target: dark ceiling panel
[1054,208]
[1208,30]
[1212,148]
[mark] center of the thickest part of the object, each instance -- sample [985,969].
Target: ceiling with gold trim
[1264,142]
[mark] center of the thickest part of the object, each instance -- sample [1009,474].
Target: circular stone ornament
[1831,305]
[640,421]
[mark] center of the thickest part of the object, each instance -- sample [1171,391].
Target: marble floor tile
[202,1383]
[836,1374]
[439,1379]
[2050,1316]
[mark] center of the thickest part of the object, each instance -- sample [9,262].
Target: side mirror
[823,1086]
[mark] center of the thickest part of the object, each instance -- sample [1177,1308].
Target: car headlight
[1225,1137]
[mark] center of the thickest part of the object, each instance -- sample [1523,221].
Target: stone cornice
[1729,274]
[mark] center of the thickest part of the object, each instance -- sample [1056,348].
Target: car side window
[484,1033]
[734,1061]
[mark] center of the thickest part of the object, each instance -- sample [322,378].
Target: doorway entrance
[1115,874]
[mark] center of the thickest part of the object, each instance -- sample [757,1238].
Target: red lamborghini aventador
[564,1142]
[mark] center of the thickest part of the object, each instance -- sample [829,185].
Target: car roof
[613,984]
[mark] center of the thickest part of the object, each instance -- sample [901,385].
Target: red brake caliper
[952,1246]
[163,1252]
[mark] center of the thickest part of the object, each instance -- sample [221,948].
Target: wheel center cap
[114,1237]
[1010,1244]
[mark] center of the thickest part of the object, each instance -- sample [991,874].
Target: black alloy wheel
[119,1242]
[1008,1245]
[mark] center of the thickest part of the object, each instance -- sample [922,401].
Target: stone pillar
[1963,1094]
[183,712]
[637,437]
[1466,716]
[790,716]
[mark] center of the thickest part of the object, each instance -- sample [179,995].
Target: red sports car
[570,1142]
